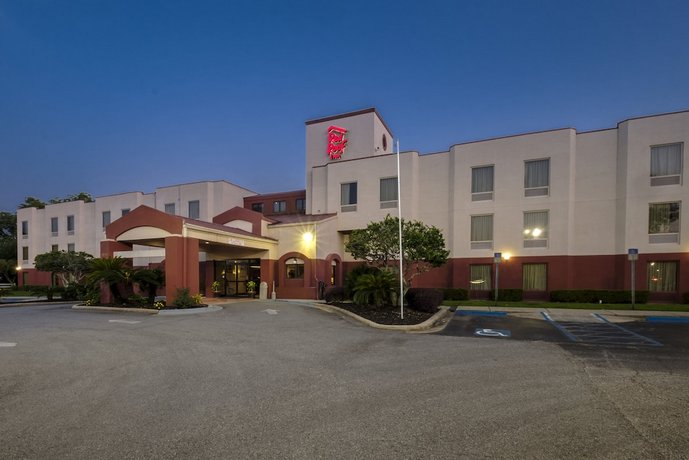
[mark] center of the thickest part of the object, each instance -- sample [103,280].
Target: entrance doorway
[233,275]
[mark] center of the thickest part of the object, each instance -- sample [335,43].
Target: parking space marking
[123,321]
[8,344]
[603,332]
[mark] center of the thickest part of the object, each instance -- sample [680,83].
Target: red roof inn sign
[336,142]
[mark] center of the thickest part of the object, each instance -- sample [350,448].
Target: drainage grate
[601,333]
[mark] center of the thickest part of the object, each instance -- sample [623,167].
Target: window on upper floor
[300,204]
[125,211]
[70,225]
[480,277]
[25,229]
[258,207]
[535,277]
[170,208]
[279,206]
[25,253]
[482,232]
[194,209]
[348,198]
[537,177]
[663,222]
[666,164]
[482,183]
[536,229]
[294,268]
[388,192]
[105,218]
[662,276]
[53,226]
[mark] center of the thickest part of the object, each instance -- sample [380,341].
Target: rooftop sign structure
[336,142]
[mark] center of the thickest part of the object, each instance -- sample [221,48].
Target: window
[25,253]
[70,247]
[194,209]
[666,164]
[125,211]
[294,268]
[536,229]
[482,232]
[25,229]
[482,183]
[663,222]
[70,225]
[170,208]
[480,277]
[258,207]
[300,204]
[388,193]
[662,276]
[534,277]
[54,248]
[536,177]
[53,226]
[106,218]
[279,206]
[348,197]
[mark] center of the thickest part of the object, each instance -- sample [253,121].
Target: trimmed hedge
[508,295]
[455,294]
[424,299]
[596,296]
[685,297]
[334,294]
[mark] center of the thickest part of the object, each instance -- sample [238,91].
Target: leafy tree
[83,196]
[70,267]
[109,270]
[8,270]
[149,280]
[32,202]
[378,244]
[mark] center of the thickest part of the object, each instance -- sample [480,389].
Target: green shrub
[455,294]
[183,299]
[352,276]
[136,300]
[335,294]
[598,296]
[508,295]
[375,288]
[685,297]
[43,290]
[424,299]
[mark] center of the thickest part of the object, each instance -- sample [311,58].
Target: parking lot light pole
[496,258]
[633,255]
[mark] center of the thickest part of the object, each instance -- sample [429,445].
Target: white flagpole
[399,213]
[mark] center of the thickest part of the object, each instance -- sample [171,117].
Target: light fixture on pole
[496,258]
[633,256]
[399,213]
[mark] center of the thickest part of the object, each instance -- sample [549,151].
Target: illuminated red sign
[336,142]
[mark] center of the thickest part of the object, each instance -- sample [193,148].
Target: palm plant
[375,288]
[149,280]
[109,270]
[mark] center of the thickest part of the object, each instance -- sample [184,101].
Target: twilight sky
[122,95]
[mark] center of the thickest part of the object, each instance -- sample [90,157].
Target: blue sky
[112,96]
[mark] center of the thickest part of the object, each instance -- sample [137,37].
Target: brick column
[181,265]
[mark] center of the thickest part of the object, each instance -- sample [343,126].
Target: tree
[149,280]
[32,202]
[70,267]
[378,244]
[8,247]
[109,270]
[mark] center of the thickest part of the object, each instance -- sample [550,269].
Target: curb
[144,311]
[425,327]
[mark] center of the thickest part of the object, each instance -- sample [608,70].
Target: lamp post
[496,259]
[633,256]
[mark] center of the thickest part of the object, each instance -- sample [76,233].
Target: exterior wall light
[308,237]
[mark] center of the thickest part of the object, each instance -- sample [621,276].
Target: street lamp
[496,259]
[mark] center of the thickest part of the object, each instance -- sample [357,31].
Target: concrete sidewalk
[581,314]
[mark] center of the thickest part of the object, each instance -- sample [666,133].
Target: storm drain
[602,332]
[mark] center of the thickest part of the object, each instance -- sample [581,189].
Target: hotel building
[565,205]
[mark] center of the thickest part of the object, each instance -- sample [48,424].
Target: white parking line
[8,344]
[123,321]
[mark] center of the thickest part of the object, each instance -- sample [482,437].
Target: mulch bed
[389,315]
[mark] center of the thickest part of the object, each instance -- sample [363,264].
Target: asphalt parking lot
[271,379]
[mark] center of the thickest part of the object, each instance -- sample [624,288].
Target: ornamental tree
[69,267]
[423,246]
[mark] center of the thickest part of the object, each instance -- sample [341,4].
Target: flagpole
[399,213]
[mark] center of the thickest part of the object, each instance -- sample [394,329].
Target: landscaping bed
[388,315]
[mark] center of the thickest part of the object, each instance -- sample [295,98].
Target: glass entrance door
[233,275]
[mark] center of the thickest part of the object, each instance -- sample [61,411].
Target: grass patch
[565,305]
[16,294]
